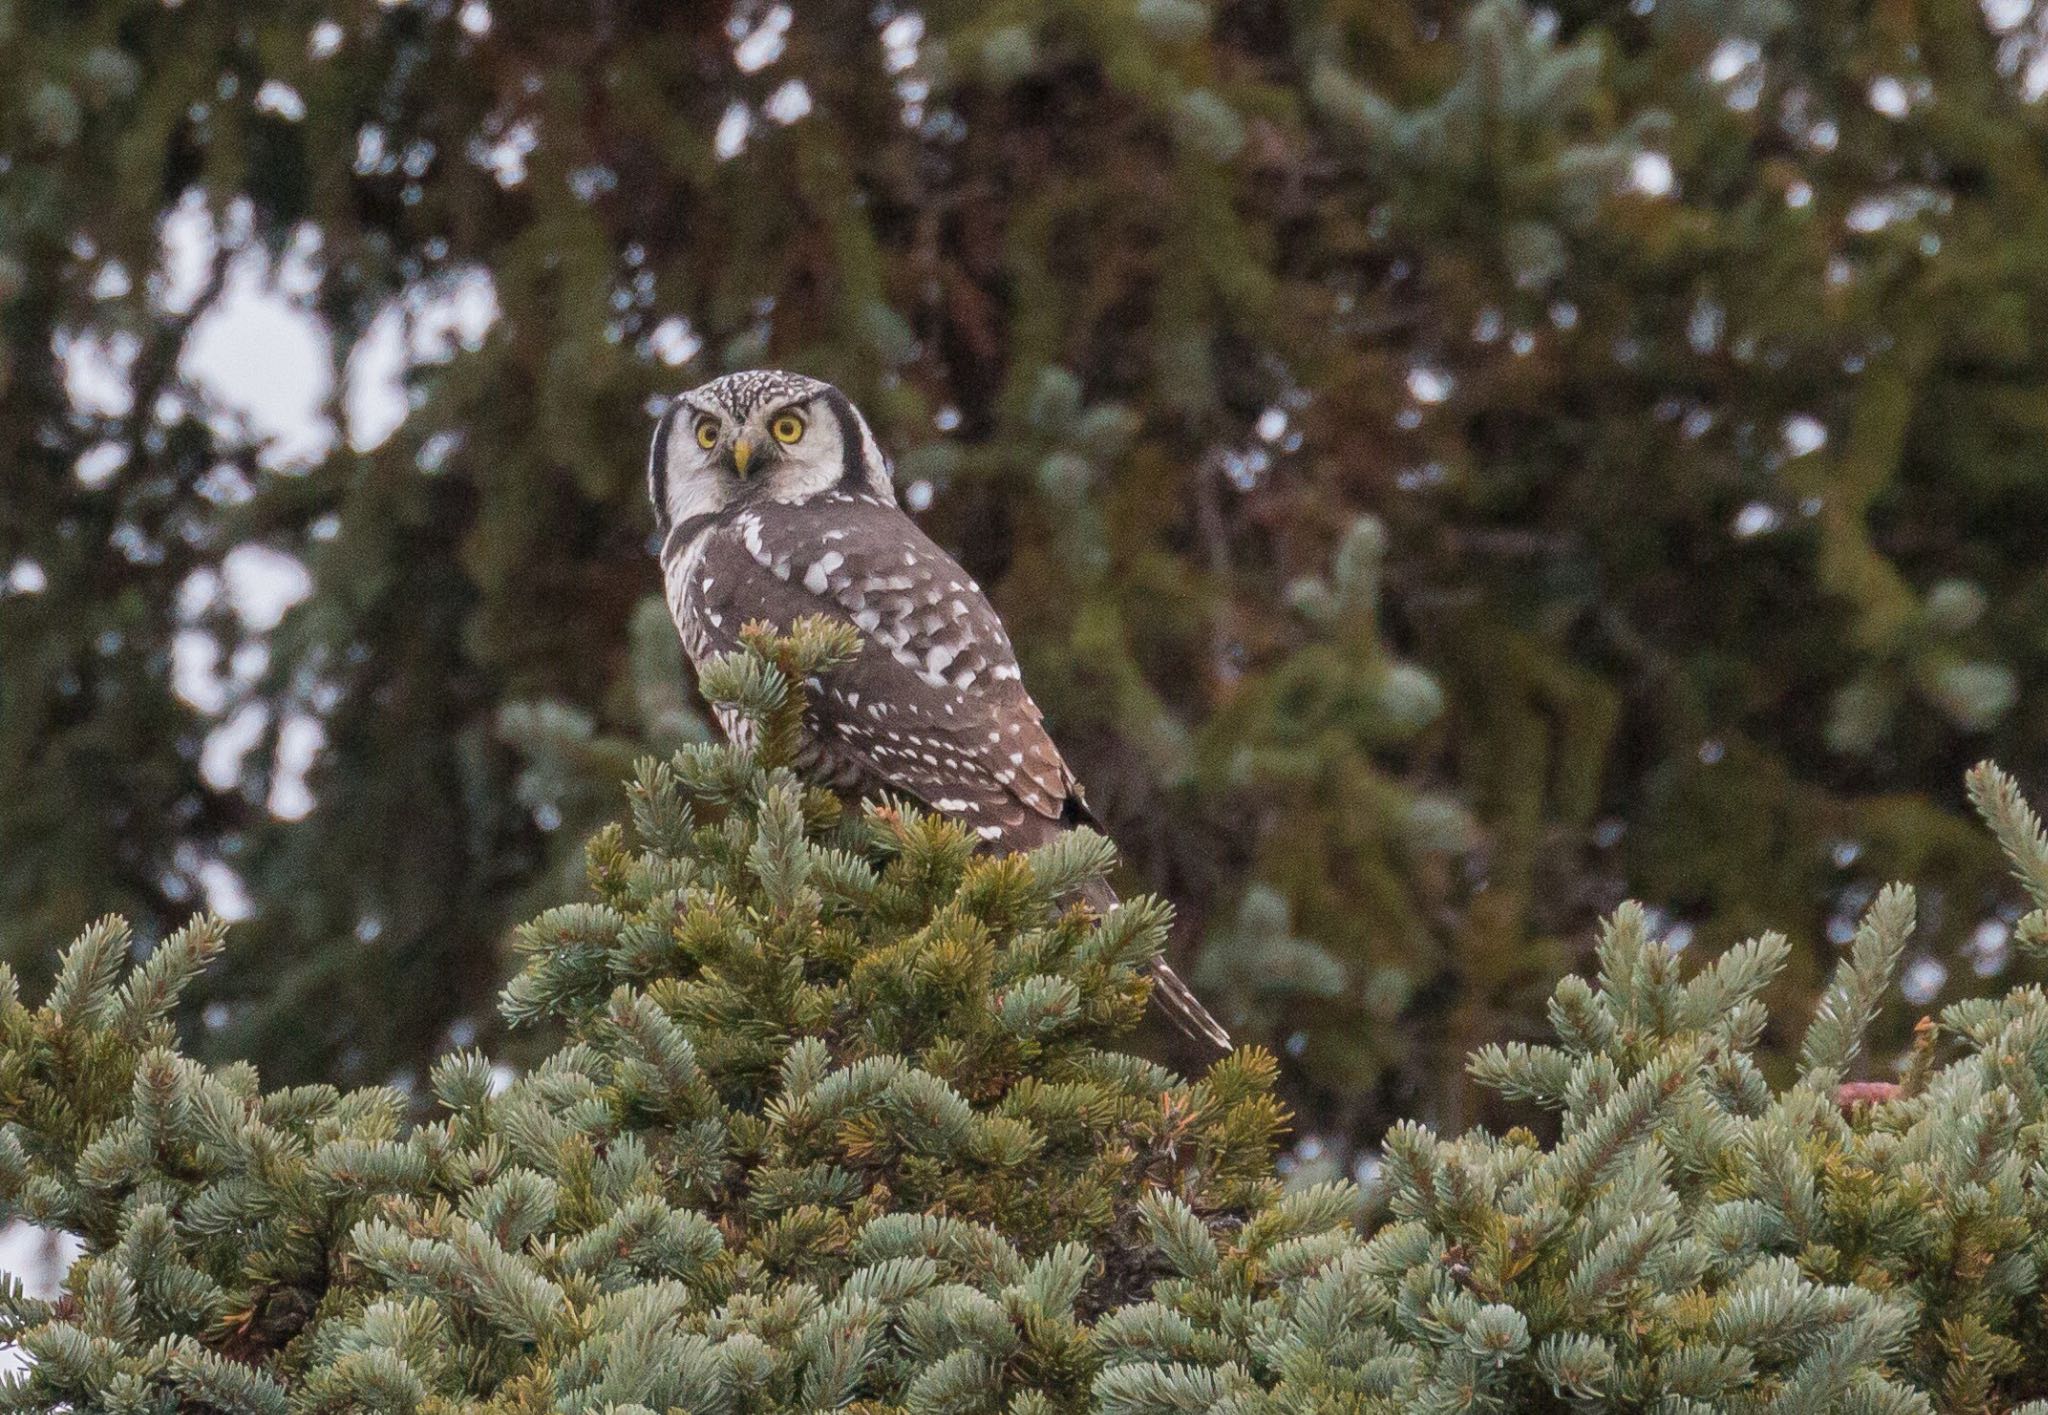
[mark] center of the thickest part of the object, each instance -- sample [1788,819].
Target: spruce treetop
[836,1111]
[835,1118]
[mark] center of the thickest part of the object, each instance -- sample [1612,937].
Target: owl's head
[760,435]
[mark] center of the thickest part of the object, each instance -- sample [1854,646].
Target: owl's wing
[933,706]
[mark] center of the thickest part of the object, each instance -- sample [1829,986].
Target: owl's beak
[742,453]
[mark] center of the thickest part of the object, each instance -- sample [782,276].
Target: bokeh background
[1446,467]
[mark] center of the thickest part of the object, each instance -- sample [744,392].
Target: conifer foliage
[833,1117]
[837,1120]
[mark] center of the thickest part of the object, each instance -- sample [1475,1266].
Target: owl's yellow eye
[707,433]
[787,428]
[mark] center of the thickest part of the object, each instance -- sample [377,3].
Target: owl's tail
[1175,998]
[1179,1002]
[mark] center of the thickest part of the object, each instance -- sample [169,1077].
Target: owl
[774,502]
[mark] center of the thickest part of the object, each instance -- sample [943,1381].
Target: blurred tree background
[1444,466]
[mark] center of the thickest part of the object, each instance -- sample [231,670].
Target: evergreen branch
[152,990]
[1835,1036]
[83,992]
[1998,800]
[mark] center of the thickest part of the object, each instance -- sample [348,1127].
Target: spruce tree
[833,1115]
[1697,1239]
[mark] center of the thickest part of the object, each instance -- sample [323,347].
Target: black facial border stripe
[657,463]
[851,471]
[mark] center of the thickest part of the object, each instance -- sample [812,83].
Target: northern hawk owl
[773,502]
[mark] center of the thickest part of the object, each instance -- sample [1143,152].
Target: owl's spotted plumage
[774,502]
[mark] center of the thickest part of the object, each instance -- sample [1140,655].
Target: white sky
[40,1258]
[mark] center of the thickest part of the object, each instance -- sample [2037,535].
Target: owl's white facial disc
[761,435]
